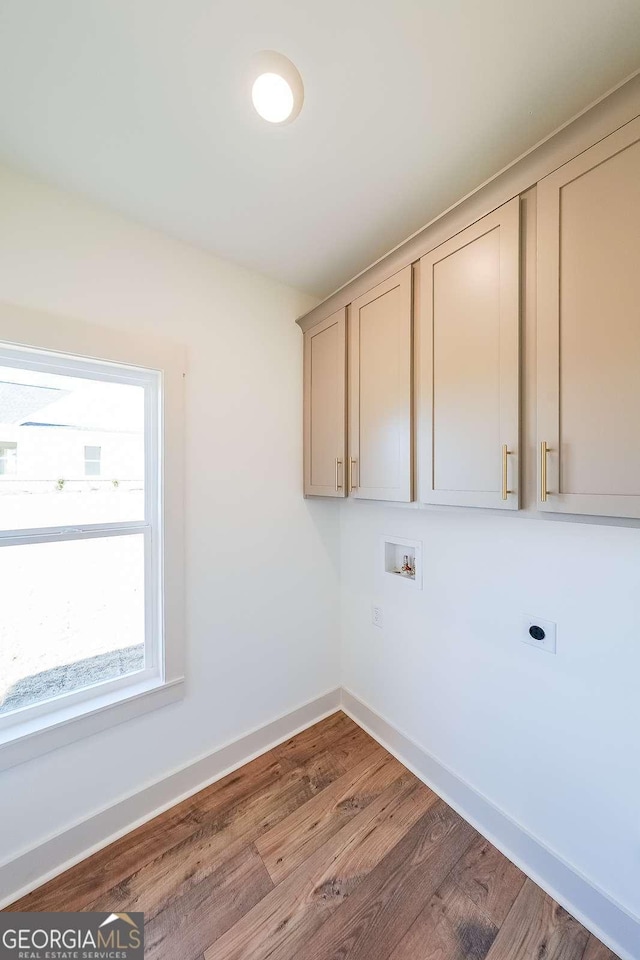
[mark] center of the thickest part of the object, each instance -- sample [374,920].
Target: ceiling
[409,104]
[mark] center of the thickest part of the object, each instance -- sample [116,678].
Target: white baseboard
[607,920]
[56,854]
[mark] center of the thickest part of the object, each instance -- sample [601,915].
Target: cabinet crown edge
[613,110]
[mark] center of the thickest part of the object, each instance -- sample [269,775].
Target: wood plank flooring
[326,848]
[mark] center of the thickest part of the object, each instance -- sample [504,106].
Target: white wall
[552,741]
[261,562]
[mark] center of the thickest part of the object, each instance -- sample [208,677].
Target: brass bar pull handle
[505,489]
[544,450]
[352,461]
[338,464]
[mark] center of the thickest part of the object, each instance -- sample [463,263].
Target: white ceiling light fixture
[277,91]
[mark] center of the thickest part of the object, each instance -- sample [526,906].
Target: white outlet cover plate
[549,627]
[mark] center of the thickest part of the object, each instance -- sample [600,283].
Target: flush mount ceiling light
[277,91]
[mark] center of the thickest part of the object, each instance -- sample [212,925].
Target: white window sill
[24,741]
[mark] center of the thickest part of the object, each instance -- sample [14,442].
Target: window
[91,570]
[80,565]
[8,459]
[92,461]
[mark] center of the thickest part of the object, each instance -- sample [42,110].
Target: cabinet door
[589,330]
[325,372]
[468,365]
[380,391]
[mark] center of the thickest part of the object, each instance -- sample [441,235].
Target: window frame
[72,347]
[150,527]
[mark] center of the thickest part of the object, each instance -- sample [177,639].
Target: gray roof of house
[19,401]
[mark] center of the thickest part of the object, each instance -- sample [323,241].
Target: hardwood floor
[326,848]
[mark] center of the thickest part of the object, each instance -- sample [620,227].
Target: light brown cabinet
[588,311]
[325,374]
[431,333]
[467,374]
[380,391]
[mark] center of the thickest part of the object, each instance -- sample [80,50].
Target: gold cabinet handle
[352,462]
[505,454]
[544,450]
[338,465]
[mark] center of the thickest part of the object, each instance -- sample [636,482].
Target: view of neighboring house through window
[8,459]
[92,461]
[79,508]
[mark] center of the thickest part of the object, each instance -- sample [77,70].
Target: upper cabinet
[589,330]
[325,372]
[381,382]
[467,365]
[380,361]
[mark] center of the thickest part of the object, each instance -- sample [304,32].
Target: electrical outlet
[540,633]
[376,616]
